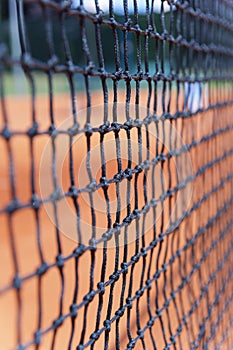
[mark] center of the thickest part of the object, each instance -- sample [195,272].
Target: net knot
[135,258]
[127,76]
[37,337]
[17,282]
[73,130]
[140,333]
[159,312]
[138,168]
[70,67]
[153,243]
[79,250]
[146,207]
[149,30]
[52,61]
[26,61]
[137,28]
[139,292]
[173,339]
[173,294]
[129,302]
[42,269]
[148,284]
[107,325]
[129,124]
[192,43]
[127,24]
[90,296]
[56,195]
[161,237]
[103,73]
[60,261]
[128,219]
[155,161]
[146,164]
[165,116]
[169,192]
[159,76]
[144,251]
[162,157]
[113,22]
[92,185]
[163,196]
[140,75]
[172,259]
[138,123]
[136,213]
[116,127]
[165,35]
[95,335]
[114,276]
[117,227]
[103,129]
[119,313]
[59,321]
[6,133]
[150,323]
[132,344]
[204,289]
[178,253]
[179,329]
[101,287]
[104,182]
[118,75]
[73,191]
[53,132]
[92,243]
[33,130]
[13,206]
[128,173]
[73,310]
[99,17]
[124,267]
[179,39]
[80,347]
[185,320]
[88,129]
[89,69]
[35,202]
[107,235]
[154,202]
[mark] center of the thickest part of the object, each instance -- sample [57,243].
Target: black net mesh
[150,262]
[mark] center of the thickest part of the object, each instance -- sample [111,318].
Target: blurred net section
[158,274]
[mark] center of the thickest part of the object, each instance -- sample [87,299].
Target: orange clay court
[23,228]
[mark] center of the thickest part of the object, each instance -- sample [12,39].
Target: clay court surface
[22,226]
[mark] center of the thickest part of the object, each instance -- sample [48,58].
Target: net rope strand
[170,286]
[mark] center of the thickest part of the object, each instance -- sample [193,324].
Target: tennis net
[116,174]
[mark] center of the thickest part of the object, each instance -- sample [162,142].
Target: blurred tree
[4,11]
